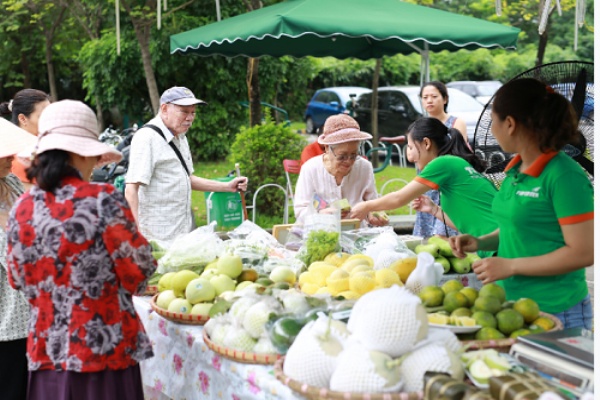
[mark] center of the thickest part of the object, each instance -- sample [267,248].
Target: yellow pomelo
[452,286]
[362,257]
[317,265]
[544,322]
[471,294]
[336,259]
[431,296]
[528,308]
[440,319]
[362,268]
[306,277]
[338,285]
[493,289]
[404,267]
[349,295]
[362,282]
[454,300]
[509,321]
[326,290]
[386,277]
[309,288]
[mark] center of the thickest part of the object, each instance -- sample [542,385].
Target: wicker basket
[239,355]
[178,317]
[317,393]
[503,345]
[151,290]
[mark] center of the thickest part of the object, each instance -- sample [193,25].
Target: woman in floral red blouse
[75,252]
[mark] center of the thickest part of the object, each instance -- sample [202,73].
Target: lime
[485,319]
[509,321]
[544,323]
[461,312]
[489,333]
[495,290]
[528,308]
[471,294]
[487,303]
[452,286]
[508,304]
[431,296]
[454,300]
[520,332]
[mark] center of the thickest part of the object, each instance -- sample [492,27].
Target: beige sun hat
[341,128]
[70,125]
[13,139]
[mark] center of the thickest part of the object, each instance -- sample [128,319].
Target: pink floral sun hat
[342,128]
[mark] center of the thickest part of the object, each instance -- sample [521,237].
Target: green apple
[180,306]
[201,309]
[165,298]
[480,371]
[200,290]
[180,281]
[495,361]
[243,285]
[222,283]
[283,274]
[432,249]
[208,274]
[460,265]
[164,283]
[230,265]
[445,263]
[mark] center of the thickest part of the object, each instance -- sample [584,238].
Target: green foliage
[260,151]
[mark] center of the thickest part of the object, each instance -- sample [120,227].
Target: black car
[399,106]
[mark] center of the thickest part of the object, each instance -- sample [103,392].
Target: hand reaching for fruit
[492,269]
[462,244]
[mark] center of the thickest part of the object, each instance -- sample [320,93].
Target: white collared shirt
[165,189]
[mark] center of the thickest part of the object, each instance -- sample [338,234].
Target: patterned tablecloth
[183,367]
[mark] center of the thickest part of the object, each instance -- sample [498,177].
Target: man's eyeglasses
[346,157]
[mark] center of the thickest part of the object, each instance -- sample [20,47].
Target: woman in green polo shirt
[446,165]
[544,209]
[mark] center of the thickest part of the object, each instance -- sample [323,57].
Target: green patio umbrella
[362,29]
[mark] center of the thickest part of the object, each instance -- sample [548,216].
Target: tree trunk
[50,68]
[252,80]
[539,60]
[142,32]
[253,84]
[374,111]
[25,70]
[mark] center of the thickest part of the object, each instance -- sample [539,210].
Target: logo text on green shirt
[533,193]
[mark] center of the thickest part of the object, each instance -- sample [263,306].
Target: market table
[184,368]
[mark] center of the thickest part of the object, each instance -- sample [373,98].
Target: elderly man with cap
[160,178]
[339,173]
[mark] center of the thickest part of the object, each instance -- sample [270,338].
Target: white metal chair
[290,167]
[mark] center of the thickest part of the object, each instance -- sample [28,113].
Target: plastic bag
[427,273]
[194,249]
[321,236]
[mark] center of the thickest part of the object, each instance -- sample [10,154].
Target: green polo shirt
[530,208]
[465,195]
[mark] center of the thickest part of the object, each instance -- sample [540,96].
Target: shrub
[260,151]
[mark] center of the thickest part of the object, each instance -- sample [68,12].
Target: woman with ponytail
[446,165]
[544,209]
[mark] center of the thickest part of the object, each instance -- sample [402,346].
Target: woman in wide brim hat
[76,254]
[15,310]
[340,173]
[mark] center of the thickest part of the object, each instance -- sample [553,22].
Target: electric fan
[572,79]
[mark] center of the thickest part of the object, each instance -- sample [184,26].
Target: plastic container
[225,208]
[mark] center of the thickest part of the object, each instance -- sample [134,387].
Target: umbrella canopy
[362,29]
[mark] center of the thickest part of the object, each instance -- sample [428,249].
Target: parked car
[399,106]
[326,102]
[482,91]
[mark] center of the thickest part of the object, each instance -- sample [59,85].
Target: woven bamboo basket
[318,393]
[503,345]
[151,290]
[178,317]
[239,355]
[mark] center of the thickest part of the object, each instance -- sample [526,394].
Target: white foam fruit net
[389,320]
[361,370]
[313,356]
[434,357]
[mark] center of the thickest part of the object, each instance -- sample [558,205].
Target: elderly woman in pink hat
[76,254]
[340,173]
